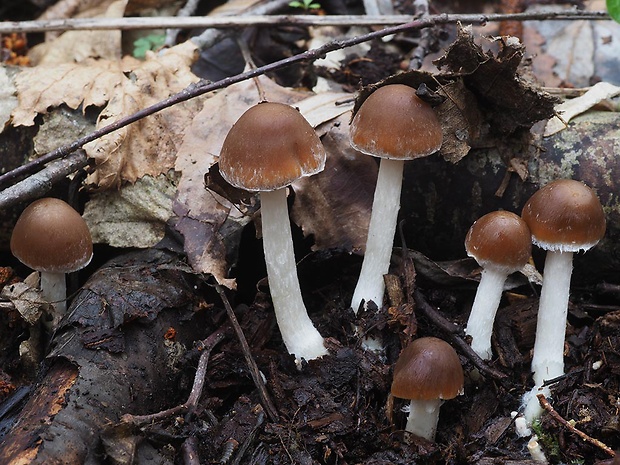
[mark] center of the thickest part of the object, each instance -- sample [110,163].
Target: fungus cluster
[52,238]
[269,147]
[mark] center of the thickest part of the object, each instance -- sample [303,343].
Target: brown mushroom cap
[269,147]
[565,215]
[393,122]
[427,369]
[501,239]
[51,236]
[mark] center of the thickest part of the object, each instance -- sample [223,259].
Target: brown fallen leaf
[147,147]
[77,46]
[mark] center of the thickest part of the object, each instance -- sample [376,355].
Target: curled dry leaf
[210,223]
[147,147]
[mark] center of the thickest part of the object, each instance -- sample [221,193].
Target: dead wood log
[112,355]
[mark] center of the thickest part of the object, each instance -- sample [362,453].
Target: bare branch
[225,22]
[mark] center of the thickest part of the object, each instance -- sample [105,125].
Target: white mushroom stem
[548,357]
[482,316]
[298,332]
[54,290]
[385,206]
[423,418]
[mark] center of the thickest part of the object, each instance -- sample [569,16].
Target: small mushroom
[501,243]
[52,238]
[269,147]
[565,216]
[427,372]
[395,125]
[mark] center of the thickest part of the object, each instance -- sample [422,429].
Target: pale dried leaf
[26,299]
[209,223]
[45,87]
[133,216]
[148,147]
[8,101]
[573,107]
[78,46]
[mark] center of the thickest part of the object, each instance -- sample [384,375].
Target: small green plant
[146,43]
[613,8]
[307,4]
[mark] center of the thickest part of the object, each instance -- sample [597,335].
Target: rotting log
[111,356]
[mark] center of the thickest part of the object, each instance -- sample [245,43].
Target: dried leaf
[78,46]
[147,147]
[133,216]
[209,223]
[508,101]
[27,299]
[8,101]
[334,205]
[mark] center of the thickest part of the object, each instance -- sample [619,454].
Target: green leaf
[613,7]
[296,4]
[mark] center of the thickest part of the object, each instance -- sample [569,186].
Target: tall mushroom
[501,243]
[269,147]
[565,216]
[52,238]
[394,124]
[427,372]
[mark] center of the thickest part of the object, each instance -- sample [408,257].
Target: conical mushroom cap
[51,236]
[393,122]
[428,369]
[270,146]
[565,215]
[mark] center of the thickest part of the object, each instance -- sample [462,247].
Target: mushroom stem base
[423,418]
[300,336]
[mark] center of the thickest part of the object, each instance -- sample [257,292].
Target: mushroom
[501,243]
[269,147]
[394,124]
[52,238]
[565,216]
[427,372]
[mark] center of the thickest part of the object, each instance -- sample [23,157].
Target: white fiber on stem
[482,316]
[379,244]
[298,332]
[548,356]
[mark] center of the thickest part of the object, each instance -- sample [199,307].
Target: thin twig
[266,402]
[544,403]
[451,330]
[199,381]
[225,22]
[203,86]
[39,184]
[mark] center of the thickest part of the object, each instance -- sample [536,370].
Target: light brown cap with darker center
[565,215]
[393,122]
[269,147]
[500,239]
[51,236]
[427,369]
